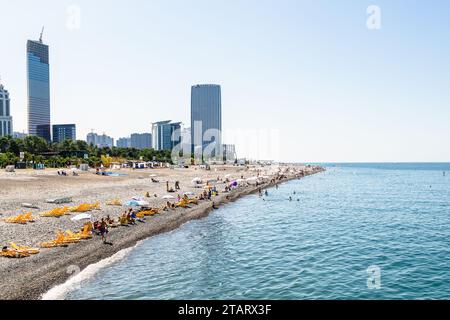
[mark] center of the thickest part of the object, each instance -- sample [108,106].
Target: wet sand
[31,277]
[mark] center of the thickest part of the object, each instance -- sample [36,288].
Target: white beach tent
[82,216]
[168,197]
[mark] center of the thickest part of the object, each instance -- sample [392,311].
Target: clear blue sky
[312,70]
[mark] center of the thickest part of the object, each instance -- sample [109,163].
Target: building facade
[100,141]
[123,143]
[6,128]
[63,132]
[229,152]
[206,117]
[166,135]
[38,80]
[141,140]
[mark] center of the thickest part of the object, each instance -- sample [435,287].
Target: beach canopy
[197,180]
[82,216]
[137,203]
[168,197]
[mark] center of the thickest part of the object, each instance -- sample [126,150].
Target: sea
[357,231]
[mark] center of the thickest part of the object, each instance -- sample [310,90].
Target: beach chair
[12,253]
[56,213]
[114,202]
[85,207]
[21,218]
[182,204]
[26,250]
[60,241]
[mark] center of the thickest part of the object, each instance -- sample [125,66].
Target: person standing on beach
[103,230]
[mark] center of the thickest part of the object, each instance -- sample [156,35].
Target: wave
[59,292]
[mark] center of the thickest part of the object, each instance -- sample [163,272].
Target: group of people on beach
[127,218]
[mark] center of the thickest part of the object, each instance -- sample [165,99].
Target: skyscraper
[206,116]
[123,143]
[141,140]
[38,78]
[5,113]
[100,141]
[163,132]
[63,132]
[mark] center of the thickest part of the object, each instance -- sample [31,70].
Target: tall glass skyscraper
[5,113]
[38,76]
[206,114]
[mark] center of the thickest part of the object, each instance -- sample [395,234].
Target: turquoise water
[320,247]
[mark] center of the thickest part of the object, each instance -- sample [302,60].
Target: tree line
[68,152]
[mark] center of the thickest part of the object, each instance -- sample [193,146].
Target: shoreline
[45,271]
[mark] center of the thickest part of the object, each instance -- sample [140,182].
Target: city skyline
[341,91]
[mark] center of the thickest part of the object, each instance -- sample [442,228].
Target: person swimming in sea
[290,198]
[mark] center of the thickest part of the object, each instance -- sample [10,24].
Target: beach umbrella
[82,216]
[197,180]
[228,176]
[153,175]
[168,197]
[189,193]
[137,203]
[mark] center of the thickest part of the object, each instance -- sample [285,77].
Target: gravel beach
[31,277]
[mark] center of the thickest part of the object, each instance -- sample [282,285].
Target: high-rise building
[141,140]
[63,132]
[206,116]
[166,135]
[38,78]
[100,141]
[5,113]
[123,143]
[229,152]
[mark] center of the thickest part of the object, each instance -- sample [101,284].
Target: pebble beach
[31,277]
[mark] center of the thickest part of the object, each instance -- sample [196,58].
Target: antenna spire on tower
[42,32]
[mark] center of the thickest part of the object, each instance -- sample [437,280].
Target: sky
[301,80]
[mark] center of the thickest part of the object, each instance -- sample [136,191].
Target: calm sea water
[394,216]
